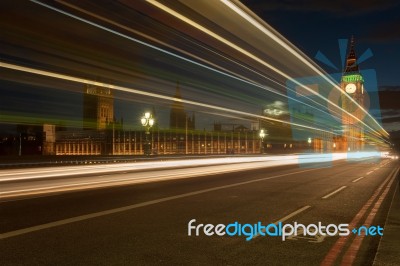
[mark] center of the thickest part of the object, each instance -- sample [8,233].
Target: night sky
[314,25]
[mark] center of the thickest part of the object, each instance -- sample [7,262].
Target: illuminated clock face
[351,88]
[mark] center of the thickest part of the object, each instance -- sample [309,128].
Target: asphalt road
[147,223]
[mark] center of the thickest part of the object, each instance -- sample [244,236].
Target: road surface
[147,223]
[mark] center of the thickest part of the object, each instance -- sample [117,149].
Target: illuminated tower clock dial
[351,88]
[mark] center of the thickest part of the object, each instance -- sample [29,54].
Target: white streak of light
[149,94]
[252,56]
[191,61]
[24,183]
[175,55]
[292,51]
[231,75]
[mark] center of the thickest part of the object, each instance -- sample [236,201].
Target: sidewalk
[389,247]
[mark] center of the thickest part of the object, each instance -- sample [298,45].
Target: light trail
[248,54]
[222,39]
[191,61]
[140,34]
[61,179]
[245,80]
[45,172]
[270,79]
[149,94]
[263,29]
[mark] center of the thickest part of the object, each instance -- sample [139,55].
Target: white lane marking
[138,205]
[287,217]
[369,172]
[356,180]
[334,192]
[299,235]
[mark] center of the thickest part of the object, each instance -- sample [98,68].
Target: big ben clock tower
[98,107]
[352,85]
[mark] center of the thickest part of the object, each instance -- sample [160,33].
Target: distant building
[103,135]
[99,126]
[278,134]
[352,85]
[49,139]
[98,107]
[230,127]
[179,120]
[28,140]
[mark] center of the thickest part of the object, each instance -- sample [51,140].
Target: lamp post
[309,140]
[20,144]
[262,136]
[147,121]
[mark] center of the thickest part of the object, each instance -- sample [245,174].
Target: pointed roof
[177,113]
[177,103]
[351,61]
[178,91]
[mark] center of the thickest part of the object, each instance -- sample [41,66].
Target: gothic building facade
[352,100]
[103,135]
[98,107]
[179,119]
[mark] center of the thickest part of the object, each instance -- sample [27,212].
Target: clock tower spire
[351,61]
[352,85]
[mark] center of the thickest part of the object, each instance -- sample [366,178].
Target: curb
[389,245]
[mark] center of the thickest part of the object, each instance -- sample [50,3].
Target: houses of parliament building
[102,134]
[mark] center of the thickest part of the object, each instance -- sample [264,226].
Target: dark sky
[315,25]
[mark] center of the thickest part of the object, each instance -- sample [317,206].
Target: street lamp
[262,136]
[147,121]
[309,143]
